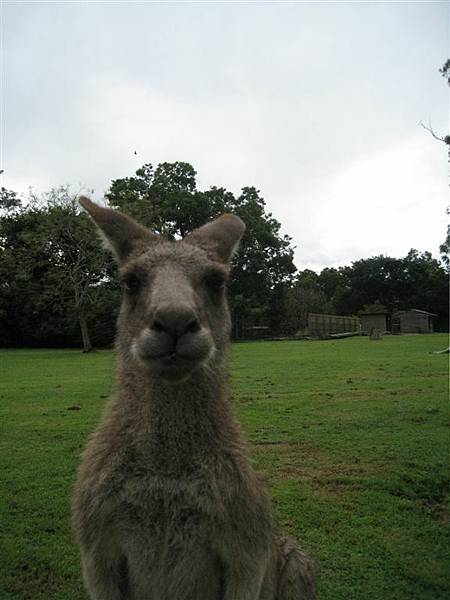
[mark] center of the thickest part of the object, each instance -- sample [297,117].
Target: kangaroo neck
[179,426]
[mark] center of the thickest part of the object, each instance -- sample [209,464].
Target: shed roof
[416,310]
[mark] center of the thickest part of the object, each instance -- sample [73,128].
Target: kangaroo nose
[175,322]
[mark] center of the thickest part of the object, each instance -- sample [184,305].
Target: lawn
[352,435]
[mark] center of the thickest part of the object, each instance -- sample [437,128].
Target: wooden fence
[322,325]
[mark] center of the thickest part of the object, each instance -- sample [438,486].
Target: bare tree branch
[430,129]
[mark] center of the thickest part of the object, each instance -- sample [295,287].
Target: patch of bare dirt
[296,460]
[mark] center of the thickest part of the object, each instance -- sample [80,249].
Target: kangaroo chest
[166,532]
[157,503]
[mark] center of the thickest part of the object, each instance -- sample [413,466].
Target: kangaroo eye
[215,281]
[131,283]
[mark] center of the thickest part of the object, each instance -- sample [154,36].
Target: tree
[366,281]
[444,248]
[76,253]
[300,301]
[166,199]
[51,266]
[329,280]
[426,285]
[26,284]
[9,200]
[445,70]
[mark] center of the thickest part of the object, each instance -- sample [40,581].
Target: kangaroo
[167,505]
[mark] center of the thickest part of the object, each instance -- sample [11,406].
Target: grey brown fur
[167,506]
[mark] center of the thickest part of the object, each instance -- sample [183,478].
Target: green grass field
[353,436]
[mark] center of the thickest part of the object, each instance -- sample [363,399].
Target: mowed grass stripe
[352,436]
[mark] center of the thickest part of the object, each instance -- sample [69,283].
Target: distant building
[402,321]
[375,320]
[324,325]
[413,321]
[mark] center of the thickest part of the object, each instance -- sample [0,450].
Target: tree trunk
[87,346]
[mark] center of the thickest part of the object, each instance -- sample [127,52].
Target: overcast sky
[316,104]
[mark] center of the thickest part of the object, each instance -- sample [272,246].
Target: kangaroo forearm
[244,582]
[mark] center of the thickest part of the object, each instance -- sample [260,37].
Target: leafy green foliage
[445,70]
[9,200]
[303,297]
[51,268]
[444,248]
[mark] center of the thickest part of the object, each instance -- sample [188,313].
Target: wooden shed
[413,321]
[375,320]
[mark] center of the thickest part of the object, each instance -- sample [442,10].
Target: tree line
[58,284]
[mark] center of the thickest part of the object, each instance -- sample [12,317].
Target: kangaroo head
[174,316]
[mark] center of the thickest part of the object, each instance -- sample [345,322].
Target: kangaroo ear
[220,237]
[121,233]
